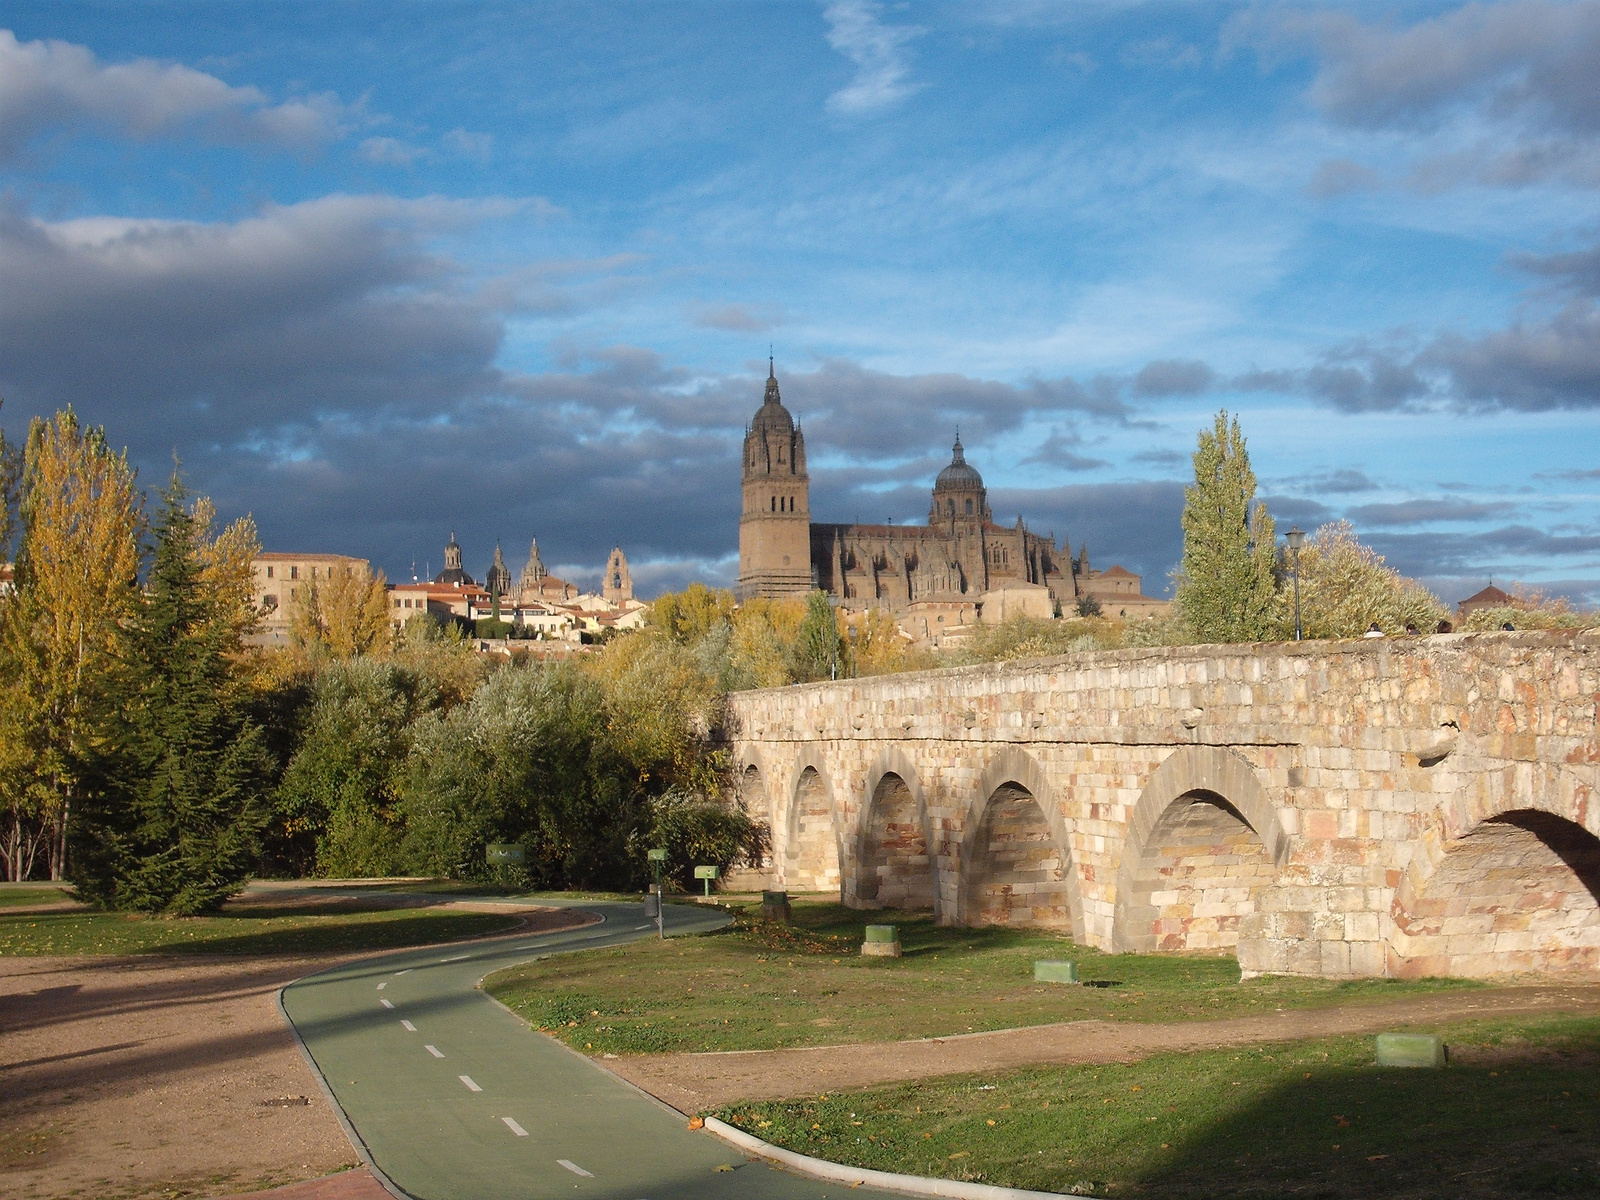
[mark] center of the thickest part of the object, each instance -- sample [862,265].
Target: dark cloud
[1340,483]
[1341,176]
[1160,458]
[1059,450]
[48,85]
[1518,78]
[735,318]
[1423,512]
[1507,552]
[1173,377]
[1297,510]
[1569,476]
[870,414]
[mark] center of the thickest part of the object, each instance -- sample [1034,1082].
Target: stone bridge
[1407,807]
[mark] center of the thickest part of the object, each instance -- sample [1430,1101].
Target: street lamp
[851,630]
[1296,538]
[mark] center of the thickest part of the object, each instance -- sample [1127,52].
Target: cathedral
[956,560]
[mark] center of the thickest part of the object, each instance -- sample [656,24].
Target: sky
[380,272]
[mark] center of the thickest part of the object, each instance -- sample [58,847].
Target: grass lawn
[1516,1114]
[305,930]
[758,986]
[29,894]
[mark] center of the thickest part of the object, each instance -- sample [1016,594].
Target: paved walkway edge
[914,1185]
[327,1094]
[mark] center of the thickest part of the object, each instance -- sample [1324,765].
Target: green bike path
[457,1099]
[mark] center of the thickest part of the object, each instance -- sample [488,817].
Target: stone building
[276,578]
[958,564]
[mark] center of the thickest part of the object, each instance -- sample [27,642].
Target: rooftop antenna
[413,570]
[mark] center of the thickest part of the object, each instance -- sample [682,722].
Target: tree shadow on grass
[1476,1131]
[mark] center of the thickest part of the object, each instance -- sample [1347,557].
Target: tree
[76,582]
[340,790]
[344,615]
[1225,586]
[818,650]
[181,775]
[1345,588]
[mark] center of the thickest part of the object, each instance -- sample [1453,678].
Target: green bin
[883,941]
[1410,1050]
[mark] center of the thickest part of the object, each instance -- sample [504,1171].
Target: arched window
[616,581]
[774,504]
[952,507]
[969,508]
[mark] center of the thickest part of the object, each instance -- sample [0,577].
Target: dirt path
[155,1075]
[693,1082]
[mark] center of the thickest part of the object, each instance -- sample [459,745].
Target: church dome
[959,476]
[772,416]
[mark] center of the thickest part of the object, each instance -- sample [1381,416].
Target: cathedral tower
[775,524]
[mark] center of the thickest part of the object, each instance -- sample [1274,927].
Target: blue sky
[378,272]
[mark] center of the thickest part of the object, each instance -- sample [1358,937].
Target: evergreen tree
[1226,585]
[174,820]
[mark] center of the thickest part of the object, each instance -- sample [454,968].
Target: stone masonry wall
[1361,771]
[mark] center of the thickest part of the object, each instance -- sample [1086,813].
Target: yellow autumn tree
[77,570]
[344,615]
[225,564]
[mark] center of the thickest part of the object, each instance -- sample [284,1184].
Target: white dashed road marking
[514,1127]
[437,1053]
[457,958]
[408,1026]
[574,1168]
[636,928]
[407,971]
[383,985]
[467,1079]
[384,1000]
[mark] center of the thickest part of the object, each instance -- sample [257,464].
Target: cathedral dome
[772,416]
[959,476]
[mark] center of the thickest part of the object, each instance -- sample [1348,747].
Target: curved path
[455,1098]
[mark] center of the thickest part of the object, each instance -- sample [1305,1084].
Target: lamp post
[1296,538]
[851,629]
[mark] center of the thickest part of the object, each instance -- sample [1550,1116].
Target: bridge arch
[1016,861]
[1201,843]
[894,844]
[811,823]
[751,785]
[1508,881]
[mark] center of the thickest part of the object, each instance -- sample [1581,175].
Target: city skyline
[380,273]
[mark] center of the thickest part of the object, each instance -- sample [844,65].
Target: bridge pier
[1405,807]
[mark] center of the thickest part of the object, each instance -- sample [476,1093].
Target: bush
[697,832]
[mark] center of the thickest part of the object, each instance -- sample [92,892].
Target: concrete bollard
[1046,970]
[775,906]
[883,941]
[1410,1050]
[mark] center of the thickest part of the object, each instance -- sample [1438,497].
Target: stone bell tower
[617,585]
[775,523]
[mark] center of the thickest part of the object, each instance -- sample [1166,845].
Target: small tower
[453,575]
[617,585]
[498,579]
[532,574]
[775,522]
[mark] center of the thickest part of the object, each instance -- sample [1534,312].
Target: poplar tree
[181,783]
[76,577]
[1226,586]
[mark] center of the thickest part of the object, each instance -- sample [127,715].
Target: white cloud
[391,152]
[878,51]
[52,84]
[468,144]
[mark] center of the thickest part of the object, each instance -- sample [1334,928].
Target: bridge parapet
[1317,808]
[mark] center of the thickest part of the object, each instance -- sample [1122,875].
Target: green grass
[27,895]
[1514,1115]
[248,932]
[761,986]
